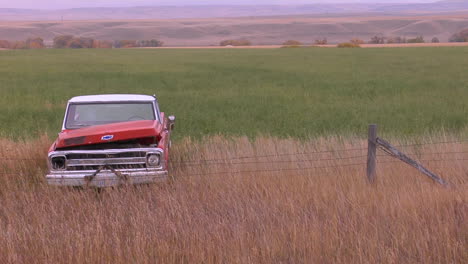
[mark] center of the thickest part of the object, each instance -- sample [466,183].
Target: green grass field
[280,92]
[292,201]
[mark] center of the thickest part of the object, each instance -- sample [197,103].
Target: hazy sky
[57,4]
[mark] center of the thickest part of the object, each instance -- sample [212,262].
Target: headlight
[59,163]
[153,160]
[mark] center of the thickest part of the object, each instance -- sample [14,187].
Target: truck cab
[112,139]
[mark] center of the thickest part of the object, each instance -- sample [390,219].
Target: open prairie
[259,30]
[279,92]
[268,159]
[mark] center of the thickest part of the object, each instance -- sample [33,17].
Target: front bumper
[106,178]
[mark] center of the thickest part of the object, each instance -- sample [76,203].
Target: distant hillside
[170,12]
[211,11]
[441,6]
[453,1]
[259,30]
[265,24]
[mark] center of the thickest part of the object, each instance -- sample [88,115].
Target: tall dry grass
[321,215]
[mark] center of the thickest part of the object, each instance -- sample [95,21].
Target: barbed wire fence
[309,160]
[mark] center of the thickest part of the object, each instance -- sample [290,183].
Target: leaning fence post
[371,153]
[403,157]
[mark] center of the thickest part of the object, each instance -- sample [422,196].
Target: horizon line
[220,5]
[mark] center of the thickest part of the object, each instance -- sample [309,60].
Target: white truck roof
[112,98]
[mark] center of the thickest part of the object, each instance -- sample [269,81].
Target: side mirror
[171,122]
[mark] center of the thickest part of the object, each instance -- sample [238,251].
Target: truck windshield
[83,115]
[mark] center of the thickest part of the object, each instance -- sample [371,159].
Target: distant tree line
[296,43]
[348,45]
[461,36]
[323,41]
[292,43]
[353,43]
[72,42]
[30,43]
[288,43]
[137,43]
[379,39]
[235,42]
[69,41]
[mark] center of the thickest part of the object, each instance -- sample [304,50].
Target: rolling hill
[259,30]
[219,10]
[263,25]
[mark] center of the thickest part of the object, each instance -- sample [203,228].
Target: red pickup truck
[108,140]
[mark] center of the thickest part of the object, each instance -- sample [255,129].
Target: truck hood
[108,133]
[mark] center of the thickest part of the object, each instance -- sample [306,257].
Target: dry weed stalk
[322,215]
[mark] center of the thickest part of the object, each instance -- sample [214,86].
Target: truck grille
[133,154]
[96,167]
[93,161]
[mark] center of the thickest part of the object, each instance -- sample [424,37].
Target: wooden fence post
[371,153]
[403,157]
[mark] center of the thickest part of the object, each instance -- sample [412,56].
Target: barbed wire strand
[295,169]
[423,153]
[229,162]
[293,154]
[279,155]
[433,143]
[285,154]
[203,162]
[274,170]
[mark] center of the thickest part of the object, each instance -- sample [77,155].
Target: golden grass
[322,215]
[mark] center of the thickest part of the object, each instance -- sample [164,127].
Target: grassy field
[299,115]
[282,92]
[318,209]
